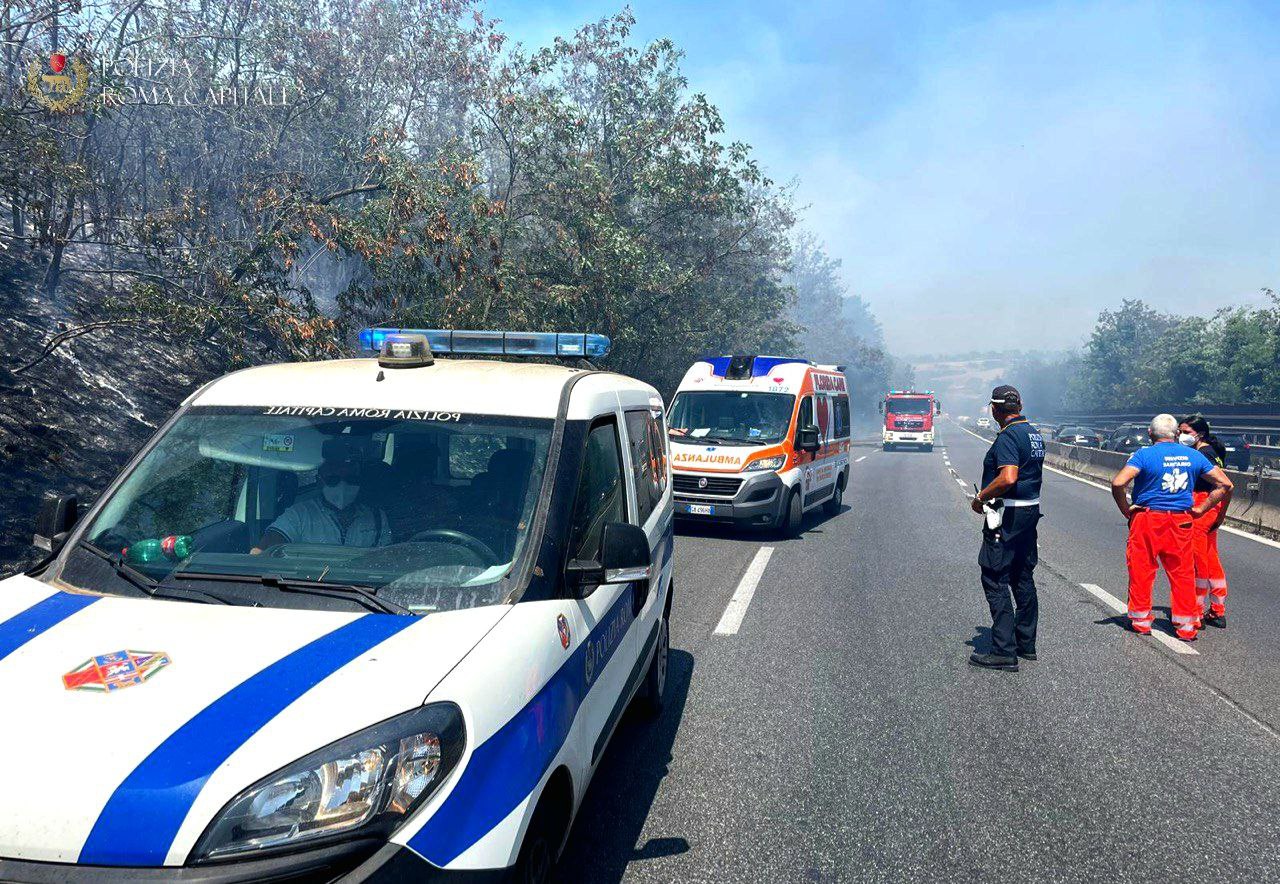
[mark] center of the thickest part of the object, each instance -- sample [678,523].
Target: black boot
[994,661]
[1218,621]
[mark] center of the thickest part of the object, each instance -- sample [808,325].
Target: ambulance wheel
[832,506]
[653,694]
[792,516]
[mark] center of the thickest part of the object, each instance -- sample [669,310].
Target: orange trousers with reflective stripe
[1211,580]
[1159,539]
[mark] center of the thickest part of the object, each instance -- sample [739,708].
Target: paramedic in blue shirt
[1160,523]
[1011,474]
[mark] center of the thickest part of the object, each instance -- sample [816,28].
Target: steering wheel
[460,538]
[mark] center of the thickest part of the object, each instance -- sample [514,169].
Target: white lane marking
[1260,539]
[861,459]
[731,620]
[1178,647]
[1257,538]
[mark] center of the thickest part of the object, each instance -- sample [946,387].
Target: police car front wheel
[653,694]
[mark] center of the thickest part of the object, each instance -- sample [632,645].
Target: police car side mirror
[57,516]
[807,438]
[624,553]
[624,558]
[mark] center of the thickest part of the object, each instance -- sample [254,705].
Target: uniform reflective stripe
[1202,583]
[1008,501]
[1217,584]
[1140,615]
[22,628]
[1183,619]
[141,818]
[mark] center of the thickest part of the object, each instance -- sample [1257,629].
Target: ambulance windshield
[730,417]
[430,509]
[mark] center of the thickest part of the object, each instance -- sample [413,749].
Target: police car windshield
[430,509]
[909,406]
[732,417]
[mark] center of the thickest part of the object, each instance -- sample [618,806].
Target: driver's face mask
[341,494]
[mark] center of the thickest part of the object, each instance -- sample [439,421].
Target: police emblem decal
[59,90]
[562,627]
[115,671]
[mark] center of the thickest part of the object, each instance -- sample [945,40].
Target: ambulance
[758,441]
[372,619]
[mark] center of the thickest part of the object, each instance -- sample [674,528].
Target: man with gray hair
[1160,522]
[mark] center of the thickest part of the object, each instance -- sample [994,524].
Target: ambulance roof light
[563,345]
[743,367]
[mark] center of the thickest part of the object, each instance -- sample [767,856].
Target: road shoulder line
[1121,608]
[736,610]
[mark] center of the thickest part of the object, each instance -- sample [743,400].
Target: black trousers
[1008,560]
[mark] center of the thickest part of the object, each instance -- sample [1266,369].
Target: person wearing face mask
[1160,519]
[1211,579]
[336,516]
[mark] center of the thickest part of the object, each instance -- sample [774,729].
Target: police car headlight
[363,785]
[765,463]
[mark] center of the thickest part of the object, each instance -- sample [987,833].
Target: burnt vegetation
[251,182]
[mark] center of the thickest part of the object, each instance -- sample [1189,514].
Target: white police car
[364,619]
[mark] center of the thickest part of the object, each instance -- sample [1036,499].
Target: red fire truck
[908,418]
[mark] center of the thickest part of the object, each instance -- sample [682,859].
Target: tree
[838,327]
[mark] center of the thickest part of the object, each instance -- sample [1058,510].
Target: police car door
[647,460]
[606,614]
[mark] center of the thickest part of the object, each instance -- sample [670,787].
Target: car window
[842,417]
[601,498]
[648,461]
[469,454]
[251,492]
[806,413]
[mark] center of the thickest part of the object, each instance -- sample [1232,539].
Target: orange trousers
[1159,539]
[1211,580]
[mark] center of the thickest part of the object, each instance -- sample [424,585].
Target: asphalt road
[840,735]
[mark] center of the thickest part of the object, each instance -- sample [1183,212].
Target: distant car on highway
[1128,443]
[1125,433]
[1084,437]
[984,422]
[1238,451]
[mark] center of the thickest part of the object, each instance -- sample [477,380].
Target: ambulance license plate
[698,509]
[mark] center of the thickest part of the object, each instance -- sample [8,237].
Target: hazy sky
[994,174]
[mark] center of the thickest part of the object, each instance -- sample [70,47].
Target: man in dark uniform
[1011,474]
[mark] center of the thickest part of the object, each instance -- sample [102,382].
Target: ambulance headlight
[765,463]
[363,785]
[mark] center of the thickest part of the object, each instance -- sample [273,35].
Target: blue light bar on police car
[497,343]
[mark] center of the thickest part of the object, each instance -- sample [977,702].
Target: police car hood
[129,723]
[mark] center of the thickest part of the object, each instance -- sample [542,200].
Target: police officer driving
[1010,498]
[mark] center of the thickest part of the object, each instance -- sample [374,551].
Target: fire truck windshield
[909,406]
[731,417]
